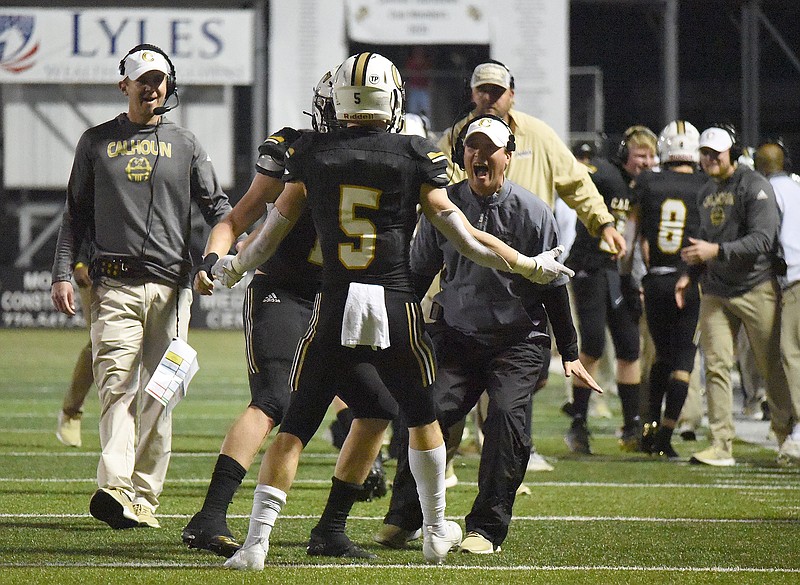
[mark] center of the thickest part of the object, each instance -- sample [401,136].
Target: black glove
[631,296]
[205,265]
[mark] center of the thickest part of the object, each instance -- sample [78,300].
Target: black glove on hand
[205,265]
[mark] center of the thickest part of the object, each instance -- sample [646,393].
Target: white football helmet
[323,116]
[679,141]
[367,86]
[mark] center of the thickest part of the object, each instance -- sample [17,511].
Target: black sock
[659,378]
[340,501]
[629,396]
[225,480]
[676,396]
[580,402]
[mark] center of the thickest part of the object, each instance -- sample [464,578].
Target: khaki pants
[790,344]
[82,377]
[132,325]
[720,318]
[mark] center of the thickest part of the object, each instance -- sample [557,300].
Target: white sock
[795,436]
[267,504]
[428,468]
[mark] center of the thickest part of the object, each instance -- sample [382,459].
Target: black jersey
[587,252]
[363,188]
[296,265]
[668,214]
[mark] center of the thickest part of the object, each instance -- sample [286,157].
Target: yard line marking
[549,484]
[515,518]
[396,566]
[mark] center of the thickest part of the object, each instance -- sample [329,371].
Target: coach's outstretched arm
[485,249]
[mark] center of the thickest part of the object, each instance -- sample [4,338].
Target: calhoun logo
[18,48]
[138,169]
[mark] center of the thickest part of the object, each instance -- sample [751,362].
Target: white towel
[365,321]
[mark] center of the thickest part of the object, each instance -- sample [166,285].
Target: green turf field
[608,518]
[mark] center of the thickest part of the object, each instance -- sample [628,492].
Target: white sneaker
[250,558]
[450,478]
[538,463]
[713,456]
[435,546]
[789,452]
[69,429]
[478,544]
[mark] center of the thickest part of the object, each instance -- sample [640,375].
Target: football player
[363,184]
[668,217]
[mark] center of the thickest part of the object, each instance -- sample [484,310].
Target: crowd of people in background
[673,242]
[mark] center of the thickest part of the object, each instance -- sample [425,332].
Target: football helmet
[323,116]
[679,141]
[368,86]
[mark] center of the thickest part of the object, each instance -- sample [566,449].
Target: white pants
[132,325]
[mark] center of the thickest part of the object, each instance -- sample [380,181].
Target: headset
[736,149]
[780,143]
[457,150]
[172,81]
[622,150]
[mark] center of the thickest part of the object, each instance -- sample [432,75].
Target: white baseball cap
[716,139]
[140,62]
[496,130]
[490,73]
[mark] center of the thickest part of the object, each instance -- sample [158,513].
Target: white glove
[228,270]
[542,268]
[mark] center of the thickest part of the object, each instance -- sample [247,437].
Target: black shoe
[336,545]
[375,485]
[114,507]
[205,534]
[688,435]
[577,438]
[631,439]
[666,451]
[649,436]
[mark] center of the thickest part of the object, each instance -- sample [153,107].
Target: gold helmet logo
[138,169]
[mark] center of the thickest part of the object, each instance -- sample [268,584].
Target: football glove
[228,271]
[542,268]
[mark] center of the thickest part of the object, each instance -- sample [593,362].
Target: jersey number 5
[360,255]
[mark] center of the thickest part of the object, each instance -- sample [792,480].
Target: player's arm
[483,248]
[263,189]
[262,243]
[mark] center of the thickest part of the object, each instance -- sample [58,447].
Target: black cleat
[336,545]
[649,436]
[375,485]
[577,438]
[631,439]
[665,451]
[204,534]
[114,507]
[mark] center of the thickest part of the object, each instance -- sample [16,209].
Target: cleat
[665,452]
[538,463]
[336,545]
[69,429]
[114,507]
[435,546]
[713,456]
[631,438]
[478,544]
[688,435]
[375,485]
[649,436]
[249,558]
[146,517]
[392,536]
[577,438]
[204,534]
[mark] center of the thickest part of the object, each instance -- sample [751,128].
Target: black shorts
[274,320]
[672,329]
[596,308]
[372,382]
